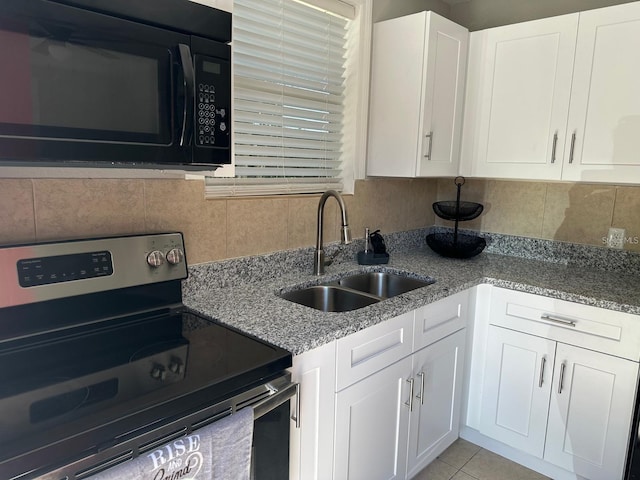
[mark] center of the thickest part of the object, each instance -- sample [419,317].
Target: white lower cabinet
[548,393]
[590,412]
[311,448]
[394,423]
[516,396]
[383,402]
[371,426]
[391,423]
[435,419]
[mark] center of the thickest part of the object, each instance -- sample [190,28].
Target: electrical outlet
[616,238]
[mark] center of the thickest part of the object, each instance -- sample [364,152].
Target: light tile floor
[465,461]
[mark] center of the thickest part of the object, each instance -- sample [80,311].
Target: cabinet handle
[562,321]
[430,137]
[561,380]
[573,144]
[421,394]
[410,402]
[542,363]
[553,149]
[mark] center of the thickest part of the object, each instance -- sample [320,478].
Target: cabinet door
[417,83]
[444,78]
[312,442]
[395,97]
[604,118]
[371,426]
[435,418]
[590,412]
[519,112]
[516,389]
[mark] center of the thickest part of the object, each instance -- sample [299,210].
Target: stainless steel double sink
[355,291]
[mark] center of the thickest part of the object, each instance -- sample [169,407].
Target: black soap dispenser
[375,250]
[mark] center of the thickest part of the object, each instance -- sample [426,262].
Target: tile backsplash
[567,212]
[43,209]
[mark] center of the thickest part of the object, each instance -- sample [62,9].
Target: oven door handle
[274,401]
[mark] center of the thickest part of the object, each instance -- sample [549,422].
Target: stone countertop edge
[254,306]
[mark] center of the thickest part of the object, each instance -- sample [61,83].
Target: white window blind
[289,84]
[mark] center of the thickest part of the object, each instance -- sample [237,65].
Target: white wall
[226,5]
[385,9]
[480,14]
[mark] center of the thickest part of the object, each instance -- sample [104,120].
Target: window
[297,89]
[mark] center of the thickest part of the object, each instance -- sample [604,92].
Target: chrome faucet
[318,259]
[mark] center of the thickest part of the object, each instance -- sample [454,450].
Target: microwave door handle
[189,85]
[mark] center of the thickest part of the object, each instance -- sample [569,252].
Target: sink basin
[330,298]
[354,291]
[383,285]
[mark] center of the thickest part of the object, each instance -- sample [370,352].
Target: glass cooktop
[89,376]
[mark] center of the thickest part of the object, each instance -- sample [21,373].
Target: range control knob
[175,256]
[158,372]
[176,366]
[155,258]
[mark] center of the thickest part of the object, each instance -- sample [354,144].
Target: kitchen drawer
[439,319]
[598,329]
[372,349]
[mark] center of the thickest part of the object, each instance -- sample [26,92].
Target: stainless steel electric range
[101,361]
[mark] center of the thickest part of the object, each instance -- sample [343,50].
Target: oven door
[82,86]
[270,403]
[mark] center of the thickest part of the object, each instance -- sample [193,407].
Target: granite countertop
[248,299]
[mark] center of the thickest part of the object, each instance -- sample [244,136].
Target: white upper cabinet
[604,117]
[417,93]
[518,97]
[556,99]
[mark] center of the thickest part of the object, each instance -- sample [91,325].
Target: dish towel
[220,451]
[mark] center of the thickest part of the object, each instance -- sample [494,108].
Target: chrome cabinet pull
[553,150]
[421,394]
[561,380]
[410,402]
[573,144]
[560,320]
[541,379]
[430,137]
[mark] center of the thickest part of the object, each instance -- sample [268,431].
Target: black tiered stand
[456,245]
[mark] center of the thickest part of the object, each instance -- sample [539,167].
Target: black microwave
[132,83]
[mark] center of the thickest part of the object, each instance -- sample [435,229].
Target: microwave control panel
[213,101]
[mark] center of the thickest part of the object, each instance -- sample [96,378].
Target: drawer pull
[561,380]
[410,402]
[541,380]
[564,321]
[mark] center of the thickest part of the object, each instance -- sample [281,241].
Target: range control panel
[45,271]
[64,268]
